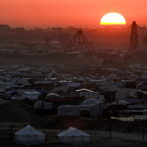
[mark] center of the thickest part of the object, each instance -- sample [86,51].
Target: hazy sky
[69,12]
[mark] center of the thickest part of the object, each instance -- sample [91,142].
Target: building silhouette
[134,37]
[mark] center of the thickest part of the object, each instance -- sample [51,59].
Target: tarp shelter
[70,93]
[112,76]
[133,76]
[142,86]
[122,94]
[17,81]
[110,87]
[42,105]
[62,88]
[29,136]
[92,101]
[120,102]
[54,97]
[87,93]
[73,136]
[53,74]
[33,95]
[74,85]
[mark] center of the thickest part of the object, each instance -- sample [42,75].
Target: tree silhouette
[145,40]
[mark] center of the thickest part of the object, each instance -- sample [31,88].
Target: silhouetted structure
[4,27]
[29,45]
[145,41]
[79,42]
[134,37]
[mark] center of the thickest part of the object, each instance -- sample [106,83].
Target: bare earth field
[123,134]
[98,139]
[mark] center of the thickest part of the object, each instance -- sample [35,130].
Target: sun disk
[113,19]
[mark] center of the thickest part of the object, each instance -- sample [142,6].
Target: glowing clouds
[113,19]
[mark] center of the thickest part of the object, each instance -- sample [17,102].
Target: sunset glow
[69,12]
[113,19]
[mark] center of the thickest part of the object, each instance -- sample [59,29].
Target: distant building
[134,37]
[20,29]
[113,63]
[4,27]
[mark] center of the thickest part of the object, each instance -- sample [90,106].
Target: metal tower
[79,42]
[134,37]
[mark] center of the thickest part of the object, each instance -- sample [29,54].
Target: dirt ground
[99,138]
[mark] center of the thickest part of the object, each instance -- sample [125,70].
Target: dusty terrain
[123,134]
[98,139]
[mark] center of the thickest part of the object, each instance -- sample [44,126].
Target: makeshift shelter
[120,102]
[112,76]
[73,136]
[62,88]
[19,81]
[29,136]
[87,93]
[54,97]
[42,105]
[70,94]
[74,85]
[92,101]
[110,87]
[123,93]
[53,74]
[142,86]
[32,95]
[133,76]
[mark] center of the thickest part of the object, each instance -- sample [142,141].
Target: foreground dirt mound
[17,112]
[59,122]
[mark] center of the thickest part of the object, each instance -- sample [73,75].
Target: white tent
[73,136]
[87,93]
[29,136]
[53,95]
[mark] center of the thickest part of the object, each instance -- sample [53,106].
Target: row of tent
[30,136]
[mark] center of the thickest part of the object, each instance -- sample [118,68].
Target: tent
[53,74]
[21,81]
[112,76]
[123,93]
[70,93]
[87,93]
[133,76]
[92,101]
[142,86]
[73,136]
[109,87]
[29,136]
[120,102]
[62,88]
[53,95]
[42,105]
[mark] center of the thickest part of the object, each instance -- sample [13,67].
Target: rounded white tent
[73,136]
[29,136]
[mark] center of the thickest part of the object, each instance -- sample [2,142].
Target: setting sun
[113,19]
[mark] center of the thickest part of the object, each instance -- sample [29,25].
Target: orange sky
[69,12]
